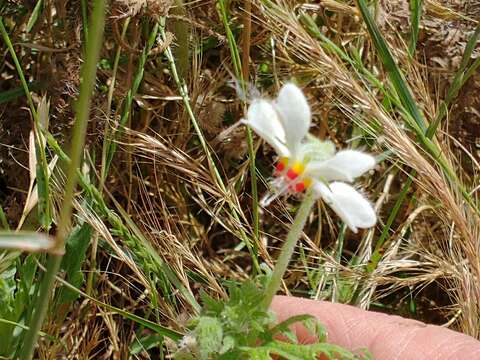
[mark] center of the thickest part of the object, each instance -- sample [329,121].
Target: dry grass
[195,210]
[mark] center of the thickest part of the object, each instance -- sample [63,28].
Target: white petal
[348,203]
[264,120]
[295,114]
[346,165]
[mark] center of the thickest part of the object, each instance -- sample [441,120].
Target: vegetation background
[167,202]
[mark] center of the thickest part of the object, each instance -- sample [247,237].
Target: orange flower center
[293,175]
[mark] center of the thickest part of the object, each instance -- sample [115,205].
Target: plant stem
[42,166]
[41,305]
[110,145]
[182,88]
[288,247]
[88,73]
[23,81]
[240,67]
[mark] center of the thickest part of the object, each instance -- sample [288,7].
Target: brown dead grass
[161,175]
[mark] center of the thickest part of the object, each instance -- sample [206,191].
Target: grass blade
[110,146]
[4,220]
[396,77]
[172,334]
[461,77]
[428,133]
[415,15]
[88,75]
[34,16]
[241,73]
[9,95]
[251,245]
[42,165]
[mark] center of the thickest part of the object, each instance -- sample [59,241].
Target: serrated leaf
[209,334]
[316,328]
[285,324]
[211,305]
[299,351]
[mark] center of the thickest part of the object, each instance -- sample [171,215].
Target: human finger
[387,337]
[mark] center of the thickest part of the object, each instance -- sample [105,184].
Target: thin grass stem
[131,235]
[106,132]
[252,248]
[82,114]
[240,67]
[110,145]
[44,208]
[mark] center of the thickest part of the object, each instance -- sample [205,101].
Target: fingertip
[387,337]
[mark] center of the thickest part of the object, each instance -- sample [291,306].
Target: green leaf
[34,16]
[6,96]
[209,334]
[15,299]
[75,251]
[146,343]
[284,326]
[42,171]
[298,351]
[415,15]
[3,220]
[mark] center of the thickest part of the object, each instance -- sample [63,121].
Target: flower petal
[263,119]
[352,207]
[346,165]
[295,114]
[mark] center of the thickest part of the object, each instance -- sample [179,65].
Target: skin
[387,337]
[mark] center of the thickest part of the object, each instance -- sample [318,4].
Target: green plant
[240,328]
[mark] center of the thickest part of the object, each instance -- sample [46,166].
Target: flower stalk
[288,248]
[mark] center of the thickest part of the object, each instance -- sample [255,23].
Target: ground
[179,191]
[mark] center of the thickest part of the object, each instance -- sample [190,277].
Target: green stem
[84,7]
[23,81]
[41,305]
[241,72]
[106,131]
[110,145]
[88,74]
[42,166]
[288,247]
[182,88]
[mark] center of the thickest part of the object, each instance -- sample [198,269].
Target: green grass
[162,213]
[88,75]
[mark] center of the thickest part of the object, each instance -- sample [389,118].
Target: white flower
[306,161]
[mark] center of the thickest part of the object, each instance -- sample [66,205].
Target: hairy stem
[288,247]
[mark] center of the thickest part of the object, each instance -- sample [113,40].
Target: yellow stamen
[307,182]
[298,167]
